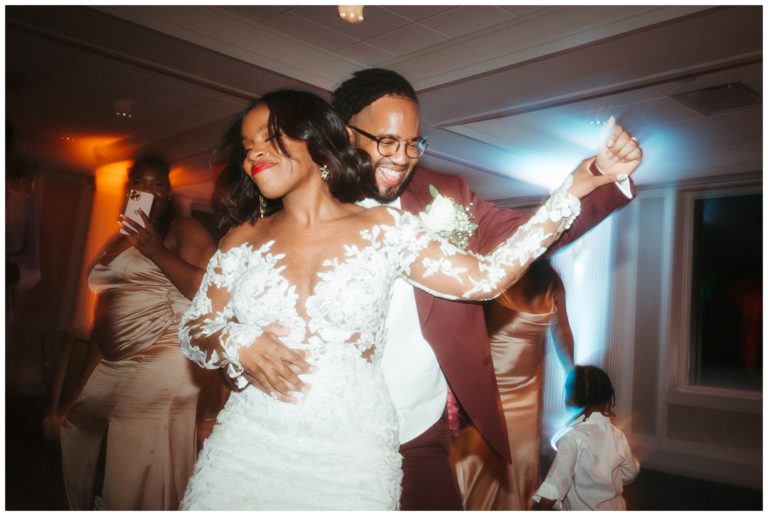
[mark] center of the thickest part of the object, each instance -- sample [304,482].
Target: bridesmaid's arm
[195,248]
[184,264]
[562,329]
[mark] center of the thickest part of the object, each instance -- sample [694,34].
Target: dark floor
[657,491]
[33,479]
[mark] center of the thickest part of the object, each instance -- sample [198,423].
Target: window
[726,292]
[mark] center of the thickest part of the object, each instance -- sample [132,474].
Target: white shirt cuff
[549,492]
[625,187]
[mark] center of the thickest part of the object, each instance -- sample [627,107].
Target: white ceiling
[510,94]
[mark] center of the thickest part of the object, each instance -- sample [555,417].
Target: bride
[306,257]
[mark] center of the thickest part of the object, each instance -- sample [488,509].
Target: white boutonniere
[448,219]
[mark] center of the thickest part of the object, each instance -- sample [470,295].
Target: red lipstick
[260,167]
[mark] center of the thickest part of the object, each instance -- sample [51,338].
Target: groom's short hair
[366,87]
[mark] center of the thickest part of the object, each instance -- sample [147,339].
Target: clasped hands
[616,160]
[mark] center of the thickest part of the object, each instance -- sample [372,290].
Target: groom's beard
[391,179]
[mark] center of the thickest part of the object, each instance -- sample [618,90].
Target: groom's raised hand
[273,367]
[620,153]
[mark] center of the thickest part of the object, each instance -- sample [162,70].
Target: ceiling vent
[726,97]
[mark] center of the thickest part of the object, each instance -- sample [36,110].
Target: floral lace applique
[244,289]
[426,260]
[337,448]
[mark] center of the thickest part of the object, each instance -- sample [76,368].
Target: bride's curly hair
[301,116]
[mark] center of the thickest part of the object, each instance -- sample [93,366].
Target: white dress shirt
[416,384]
[592,465]
[626,188]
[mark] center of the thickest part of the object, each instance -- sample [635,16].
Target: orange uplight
[108,200]
[111,178]
[180,176]
[185,176]
[88,151]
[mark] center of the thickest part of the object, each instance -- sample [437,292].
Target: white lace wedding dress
[337,448]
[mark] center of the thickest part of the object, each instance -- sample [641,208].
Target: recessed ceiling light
[123,108]
[351,13]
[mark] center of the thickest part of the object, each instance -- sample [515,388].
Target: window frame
[682,391]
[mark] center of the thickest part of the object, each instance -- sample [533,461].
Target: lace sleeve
[433,264]
[209,332]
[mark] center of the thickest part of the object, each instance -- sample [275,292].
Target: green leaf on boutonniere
[433,191]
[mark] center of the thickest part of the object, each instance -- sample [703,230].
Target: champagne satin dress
[142,395]
[486,481]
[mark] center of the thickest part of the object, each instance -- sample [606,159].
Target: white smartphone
[137,201]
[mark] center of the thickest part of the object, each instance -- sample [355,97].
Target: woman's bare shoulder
[382,214]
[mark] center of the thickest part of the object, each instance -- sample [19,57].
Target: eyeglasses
[389,145]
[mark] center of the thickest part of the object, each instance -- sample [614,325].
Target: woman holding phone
[138,406]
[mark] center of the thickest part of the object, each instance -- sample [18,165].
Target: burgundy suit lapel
[410,200]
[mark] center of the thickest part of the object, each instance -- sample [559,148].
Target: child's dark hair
[591,387]
[367,86]
[300,116]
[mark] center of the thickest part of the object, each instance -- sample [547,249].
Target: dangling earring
[324,173]
[262,206]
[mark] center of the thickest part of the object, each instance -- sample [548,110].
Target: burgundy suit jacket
[456,330]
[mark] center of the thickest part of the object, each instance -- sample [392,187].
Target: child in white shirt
[593,460]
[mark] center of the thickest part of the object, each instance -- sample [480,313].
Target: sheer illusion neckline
[348,252]
[264,252]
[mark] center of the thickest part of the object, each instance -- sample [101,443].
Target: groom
[434,344]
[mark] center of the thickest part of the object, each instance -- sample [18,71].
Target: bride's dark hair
[301,116]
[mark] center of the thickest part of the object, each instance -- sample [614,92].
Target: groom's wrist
[595,170]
